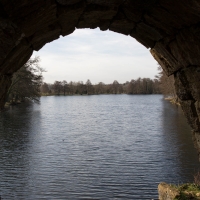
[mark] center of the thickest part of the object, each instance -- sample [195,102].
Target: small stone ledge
[167,192]
[182,192]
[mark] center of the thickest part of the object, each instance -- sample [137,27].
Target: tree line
[138,86]
[27,83]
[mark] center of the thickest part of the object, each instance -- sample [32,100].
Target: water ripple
[94,147]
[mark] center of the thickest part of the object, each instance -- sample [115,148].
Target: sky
[101,56]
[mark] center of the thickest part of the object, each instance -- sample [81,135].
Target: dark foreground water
[94,147]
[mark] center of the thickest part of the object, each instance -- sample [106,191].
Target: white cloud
[98,56]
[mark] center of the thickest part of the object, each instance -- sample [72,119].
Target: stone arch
[170,29]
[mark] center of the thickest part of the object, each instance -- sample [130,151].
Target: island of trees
[27,83]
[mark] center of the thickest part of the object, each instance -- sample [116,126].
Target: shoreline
[173,100]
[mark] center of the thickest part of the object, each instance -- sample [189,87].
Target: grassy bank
[188,191]
[173,100]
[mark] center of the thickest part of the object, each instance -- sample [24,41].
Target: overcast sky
[96,55]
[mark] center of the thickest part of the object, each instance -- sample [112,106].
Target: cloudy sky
[96,55]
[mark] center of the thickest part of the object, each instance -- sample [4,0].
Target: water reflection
[15,130]
[179,148]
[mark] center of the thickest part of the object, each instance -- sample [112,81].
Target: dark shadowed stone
[192,74]
[67,2]
[40,38]
[132,12]
[68,17]
[150,32]
[191,114]
[111,4]
[121,24]
[143,5]
[197,105]
[165,52]
[196,141]
[162,61]
[187,82]
[10,36]
[182,86]
[94,15]
[143,39]
[18,56]
[35,13]
[184,13]
[155,19]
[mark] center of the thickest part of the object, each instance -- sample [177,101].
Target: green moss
[190,187]
[188,191]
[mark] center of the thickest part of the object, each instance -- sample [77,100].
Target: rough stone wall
[169,28]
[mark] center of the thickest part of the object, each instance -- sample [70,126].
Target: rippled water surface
[94,147]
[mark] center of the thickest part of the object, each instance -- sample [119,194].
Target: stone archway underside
[170,28]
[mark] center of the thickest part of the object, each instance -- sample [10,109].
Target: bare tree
[89,87]
[57,87]
[26,82]
[65,87]
[115,86]
[166,83]
[44,88]
[100,88]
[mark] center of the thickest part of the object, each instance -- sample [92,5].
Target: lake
[94,147]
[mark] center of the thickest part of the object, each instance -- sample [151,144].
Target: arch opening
[98,56]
